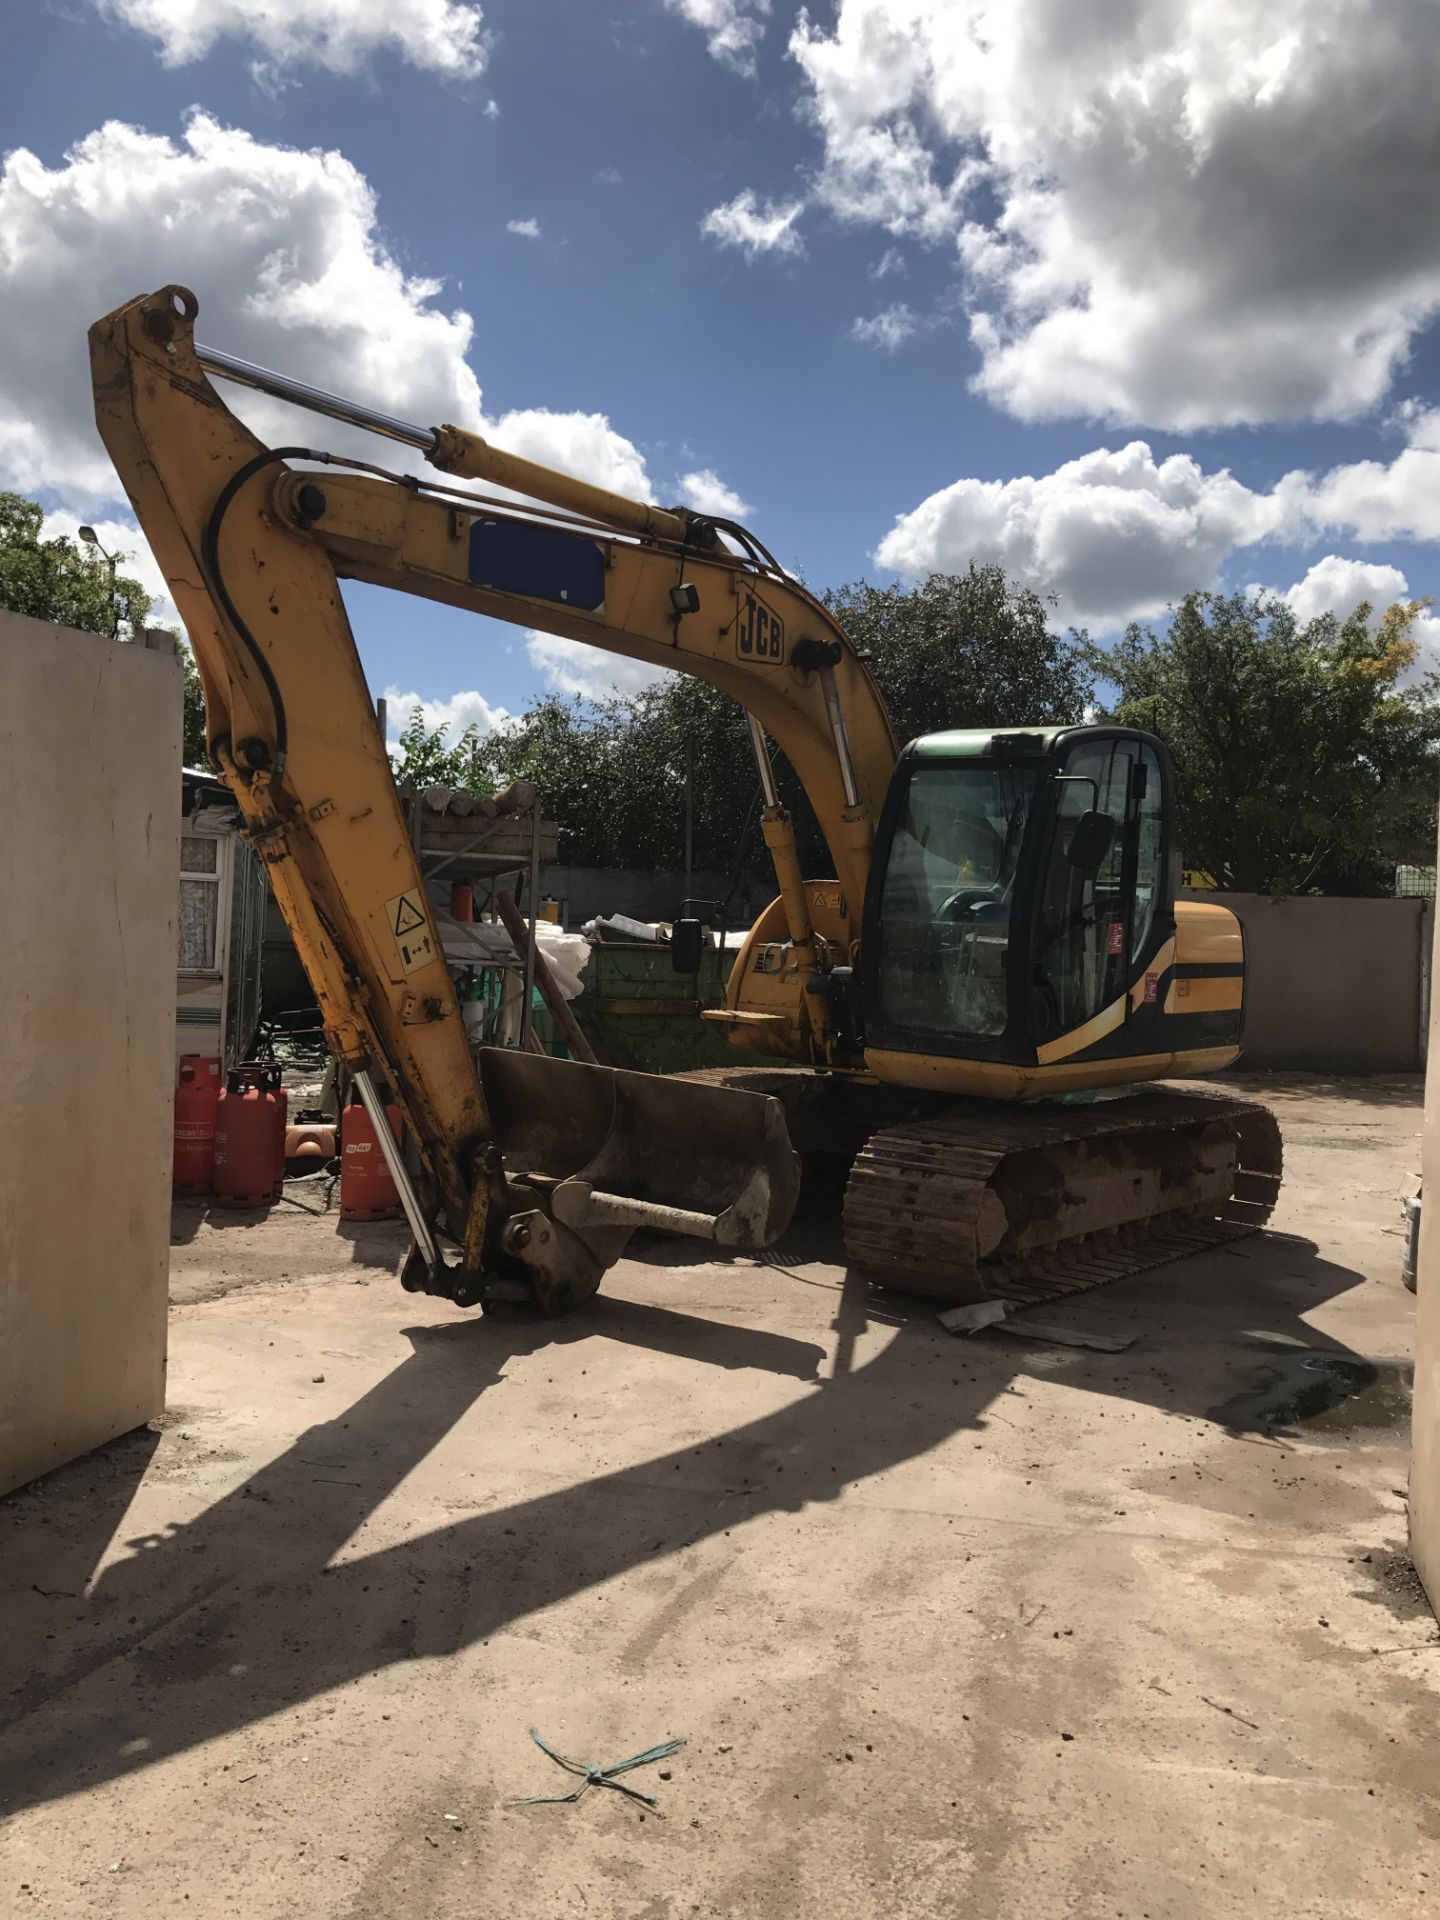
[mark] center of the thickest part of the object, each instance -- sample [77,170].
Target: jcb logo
[759,632]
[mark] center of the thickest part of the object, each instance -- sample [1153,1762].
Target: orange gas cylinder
[245,1135]
[196,1098]
[366,1190]
[309,1140]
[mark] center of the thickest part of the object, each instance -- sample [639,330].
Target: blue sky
[858,266]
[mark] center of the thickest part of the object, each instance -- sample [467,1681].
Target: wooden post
[549,992]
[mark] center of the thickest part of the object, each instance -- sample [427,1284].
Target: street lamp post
[92,539]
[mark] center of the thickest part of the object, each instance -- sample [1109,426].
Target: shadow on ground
[239,1614]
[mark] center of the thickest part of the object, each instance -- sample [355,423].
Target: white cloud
[756,226]
[734,28]
[281,248]
[460,711]
[1338,586]
[706,492]
[569,666]
[491,109]
[1192,213]
[1385,500]
[284,252]
[527,229]
[888,329]
[891,261]
[1118,535]
[439,36]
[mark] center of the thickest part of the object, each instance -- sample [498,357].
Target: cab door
[1101,906]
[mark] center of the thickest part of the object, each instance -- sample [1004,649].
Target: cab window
[1094,916]
[947,898]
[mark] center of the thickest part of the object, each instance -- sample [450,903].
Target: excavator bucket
[605,1151]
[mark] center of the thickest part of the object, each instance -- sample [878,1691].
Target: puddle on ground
[1323,1396]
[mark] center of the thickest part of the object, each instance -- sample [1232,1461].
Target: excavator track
[1029,1205]
[971,1200]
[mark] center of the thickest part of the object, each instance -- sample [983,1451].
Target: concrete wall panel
[89,799]
[1333,986]
[1425,1411]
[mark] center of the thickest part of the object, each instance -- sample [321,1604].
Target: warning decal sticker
[411,928]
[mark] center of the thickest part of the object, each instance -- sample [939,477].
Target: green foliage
[196,753]
[426,761]
[63,580]
[1302,765]
[955,651]
[964,650]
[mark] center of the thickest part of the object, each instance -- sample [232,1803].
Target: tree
[959,650]
[1302,764]
[964,650]
[426,761]
[62,579]
[576,756]
[195,752]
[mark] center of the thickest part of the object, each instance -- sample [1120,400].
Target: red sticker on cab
[1152,988]
[1116,943]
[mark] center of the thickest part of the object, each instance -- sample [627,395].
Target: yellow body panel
[1207,935]
[273,646]
[765,1014]
[1205,996]
[997,1080]
[373,530]
[1106,1021]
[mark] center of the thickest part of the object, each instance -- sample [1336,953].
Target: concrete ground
[979,1627]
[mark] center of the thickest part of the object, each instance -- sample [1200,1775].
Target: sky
[1132,296]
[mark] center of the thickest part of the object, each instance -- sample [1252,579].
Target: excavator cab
[1021,922]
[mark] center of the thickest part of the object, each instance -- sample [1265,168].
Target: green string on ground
[597,1776]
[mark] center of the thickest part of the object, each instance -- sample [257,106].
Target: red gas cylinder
[462,901]
[196,1099]
[366,1190]
[245,1136]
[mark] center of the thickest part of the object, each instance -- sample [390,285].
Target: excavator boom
[1022,939]
[536,1171]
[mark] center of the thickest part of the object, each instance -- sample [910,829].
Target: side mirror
[687,942]
[1091,841]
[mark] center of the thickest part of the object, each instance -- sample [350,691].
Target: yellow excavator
[953,1014]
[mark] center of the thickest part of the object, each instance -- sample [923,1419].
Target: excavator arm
[536,1170]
